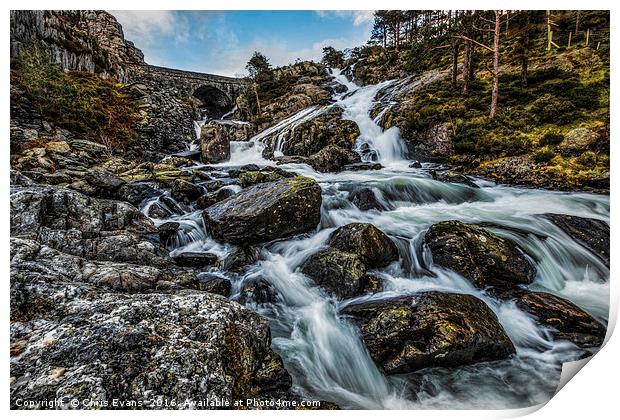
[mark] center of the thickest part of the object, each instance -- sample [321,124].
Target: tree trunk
[466,62]
[525,45]
[495,92]
[455,64]
[257,99]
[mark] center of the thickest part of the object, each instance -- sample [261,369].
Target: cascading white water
[325,353]
[357,106]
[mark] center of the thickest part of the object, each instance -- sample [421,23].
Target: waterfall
[357,103]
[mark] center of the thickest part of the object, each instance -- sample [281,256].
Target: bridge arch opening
[212,102]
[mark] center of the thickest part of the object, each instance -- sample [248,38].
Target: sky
[221,42]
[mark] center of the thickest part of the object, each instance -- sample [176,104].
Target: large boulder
[340,273]
[591,233]
[429,329]
[565,319]
[479,255]
[214,143]
[333,158]
[266,211]
[374,247]
[192,346]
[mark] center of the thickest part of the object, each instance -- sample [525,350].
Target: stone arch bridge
[215,94]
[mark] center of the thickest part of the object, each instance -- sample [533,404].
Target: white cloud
[358,17]
[143,26]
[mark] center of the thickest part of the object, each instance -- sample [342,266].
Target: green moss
[543,156]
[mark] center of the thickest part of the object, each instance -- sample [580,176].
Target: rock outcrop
[196,346]
[266,211]
[429,329]
[83,40]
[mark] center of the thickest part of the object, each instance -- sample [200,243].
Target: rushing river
[324,352]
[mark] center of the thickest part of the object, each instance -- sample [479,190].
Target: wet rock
[371,283]
[258,290]
[157,211]
[591,233]
[362,166]
[191,346]
[117,246]
[333,158]
[185,192]
[168,231]
[170,204]
[373,246]
[266,211]
[415,164]
[214,144]
[214,284]
[284,160]
[240,258]
[195,259]
[429,329]
[210,199]
[567,320]
[247,179]
[365,199]
[213,185]
[272,376]
[479,255]
[453,177]
[340,273]
[136,193]
[250,167]
[179,161]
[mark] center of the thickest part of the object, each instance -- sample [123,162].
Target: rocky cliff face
[84,40]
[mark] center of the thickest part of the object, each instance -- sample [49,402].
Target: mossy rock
[479,255]
[429,329]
